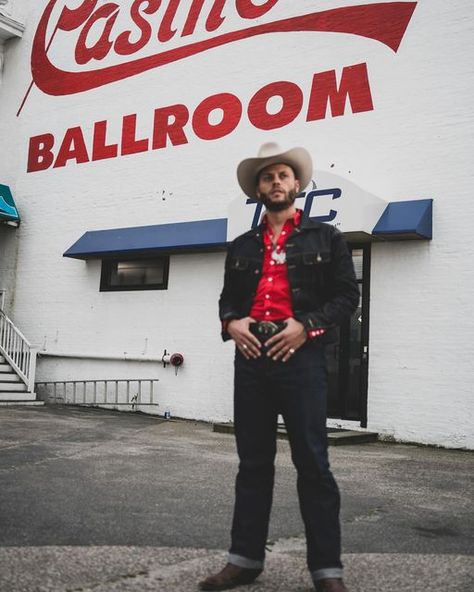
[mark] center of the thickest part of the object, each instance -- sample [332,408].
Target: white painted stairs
[13,391]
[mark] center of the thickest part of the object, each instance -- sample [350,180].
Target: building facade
[122,124]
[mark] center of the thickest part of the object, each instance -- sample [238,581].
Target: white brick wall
[416,143]
[181,319]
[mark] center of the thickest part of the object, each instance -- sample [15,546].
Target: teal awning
[8,211]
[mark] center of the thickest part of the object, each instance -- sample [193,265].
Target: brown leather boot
[330,585]
[230,577]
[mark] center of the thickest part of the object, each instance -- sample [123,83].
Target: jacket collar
[307,223]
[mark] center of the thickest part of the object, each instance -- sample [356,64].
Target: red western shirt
[273,298]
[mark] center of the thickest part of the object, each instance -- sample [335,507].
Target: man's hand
[284,344]
[247,343]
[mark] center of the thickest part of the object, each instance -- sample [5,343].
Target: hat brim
[298,159]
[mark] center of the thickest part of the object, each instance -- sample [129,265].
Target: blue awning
[8,211]
[403,220]
[406,220]
[142,240]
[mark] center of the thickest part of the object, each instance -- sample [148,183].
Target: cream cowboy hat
[298,159]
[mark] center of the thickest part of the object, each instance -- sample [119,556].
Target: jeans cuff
[241,561]
[326,572]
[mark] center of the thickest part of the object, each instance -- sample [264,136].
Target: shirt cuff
[313,333]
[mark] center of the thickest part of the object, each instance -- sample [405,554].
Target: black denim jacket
[321,274]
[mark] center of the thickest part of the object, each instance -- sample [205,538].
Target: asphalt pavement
[100,501]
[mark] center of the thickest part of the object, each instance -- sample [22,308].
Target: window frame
[107,267]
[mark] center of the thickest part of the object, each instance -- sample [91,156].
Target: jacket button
[256,272]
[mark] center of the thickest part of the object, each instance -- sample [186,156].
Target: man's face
[277,187]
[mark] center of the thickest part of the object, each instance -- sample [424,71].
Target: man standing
[288,284]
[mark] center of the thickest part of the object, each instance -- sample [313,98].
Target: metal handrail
[17,351]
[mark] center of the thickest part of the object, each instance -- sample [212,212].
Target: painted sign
[154,21]
[175,125]
[107,43]
[328,198]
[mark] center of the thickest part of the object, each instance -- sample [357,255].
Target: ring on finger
[244,346]
[291,351]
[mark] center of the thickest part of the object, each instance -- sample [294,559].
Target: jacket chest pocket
[245,273]
[313,267]
[316,258]
[239,263]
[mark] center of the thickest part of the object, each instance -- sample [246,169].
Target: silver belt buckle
[267,328]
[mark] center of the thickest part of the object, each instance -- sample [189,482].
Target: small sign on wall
[329,198]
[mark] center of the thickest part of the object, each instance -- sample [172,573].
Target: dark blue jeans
[296,390]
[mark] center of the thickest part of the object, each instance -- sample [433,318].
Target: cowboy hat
[298,159]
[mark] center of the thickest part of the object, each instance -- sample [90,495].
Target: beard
[278,206]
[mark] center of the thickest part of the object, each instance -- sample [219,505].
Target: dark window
[134,274]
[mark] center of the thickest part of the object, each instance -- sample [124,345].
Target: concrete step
[10,377]
[345,437]
[4,367]
[12,386]
[22,403]
[336,437]
[17,396]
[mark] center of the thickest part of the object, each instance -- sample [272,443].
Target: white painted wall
[422,315]
[8,265]
[181,319]
[416,143]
